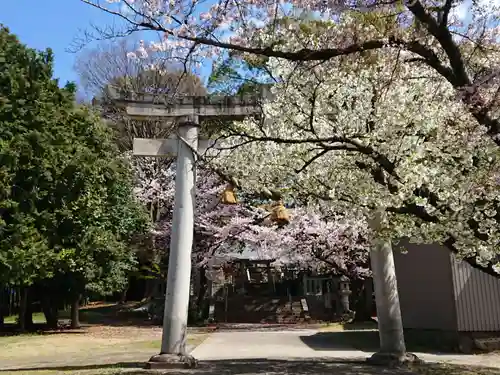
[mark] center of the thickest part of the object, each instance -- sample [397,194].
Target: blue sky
[51,23]
[56,23]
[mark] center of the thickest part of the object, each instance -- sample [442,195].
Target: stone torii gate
[188,112]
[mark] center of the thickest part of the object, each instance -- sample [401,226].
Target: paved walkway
[267,345]
[306,344]
[298,352]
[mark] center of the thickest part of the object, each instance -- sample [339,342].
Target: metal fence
[477,298]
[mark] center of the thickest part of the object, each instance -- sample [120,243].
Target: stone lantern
[345,292]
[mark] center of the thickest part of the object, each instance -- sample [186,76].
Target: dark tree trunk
[123,297]
[50,310]
[23,307]
[28,316]
[201,298]
[148,292]
[75,312]
[3,302]
[51,317]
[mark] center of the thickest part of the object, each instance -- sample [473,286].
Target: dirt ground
[110,340]
[106,350]
[111,346]
[131,366]
[94,346]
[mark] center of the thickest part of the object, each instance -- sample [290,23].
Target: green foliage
[238,75]
[223,77]
[65,194]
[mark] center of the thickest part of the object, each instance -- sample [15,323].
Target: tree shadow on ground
[258,366]
[113,315]
[358,325]
[12,329]
[118,365]
[247,367]
[368,341]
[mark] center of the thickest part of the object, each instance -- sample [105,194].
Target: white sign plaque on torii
[189,112]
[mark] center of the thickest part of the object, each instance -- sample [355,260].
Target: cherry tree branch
[323,142]
[456,74]
[459,77]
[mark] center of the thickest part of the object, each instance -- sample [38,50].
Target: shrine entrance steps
[268,310]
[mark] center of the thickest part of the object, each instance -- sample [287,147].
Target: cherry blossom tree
[337,245]
[461,49]
[417,46]
[376,137]
[421,37]
[460,55]
[367,133]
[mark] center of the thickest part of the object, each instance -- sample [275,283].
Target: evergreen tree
[66,199]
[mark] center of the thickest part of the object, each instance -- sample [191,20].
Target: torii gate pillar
[189,111]
[175,318]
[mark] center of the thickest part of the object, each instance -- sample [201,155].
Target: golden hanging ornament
[279,214]
[228,195]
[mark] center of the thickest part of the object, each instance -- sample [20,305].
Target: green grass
[79,354]
[91,315]
[38,317]
[150,344]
